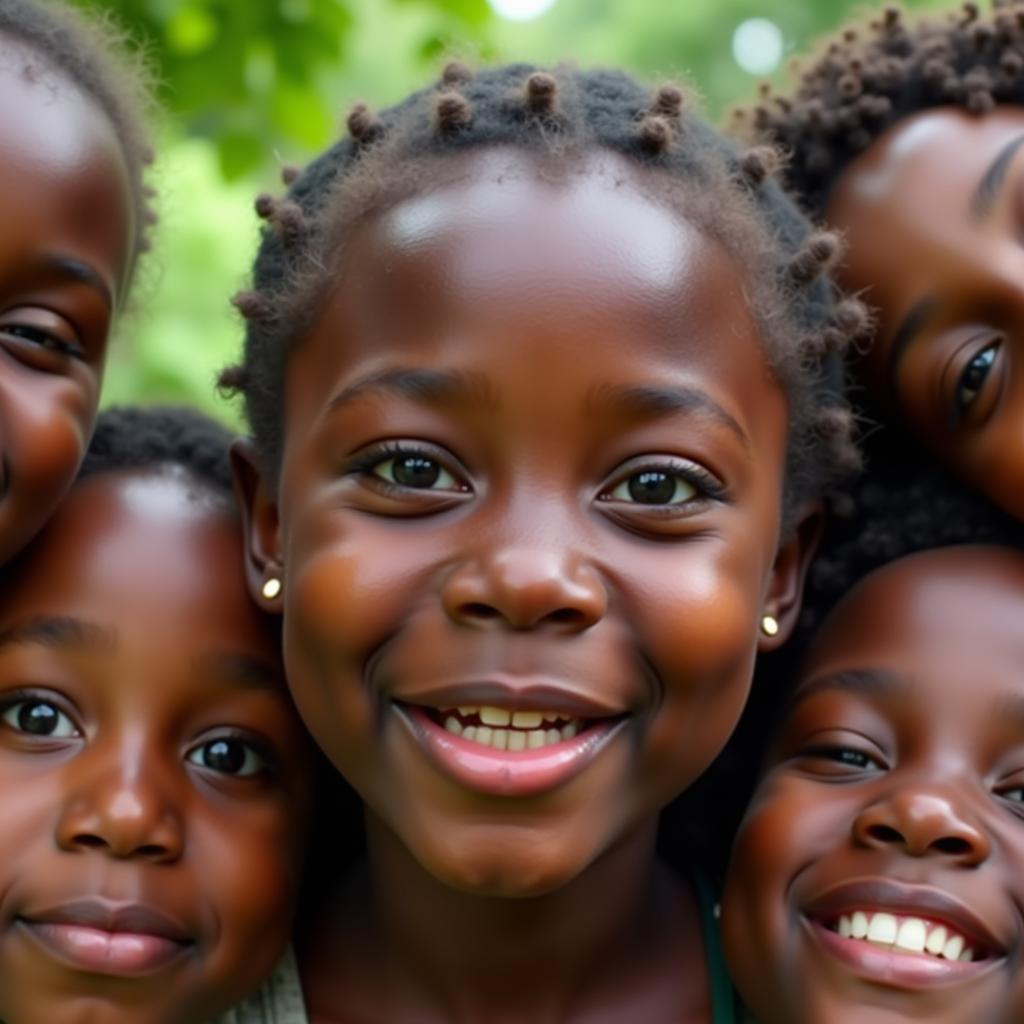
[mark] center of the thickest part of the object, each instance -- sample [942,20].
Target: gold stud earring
[271,588]
[769,625]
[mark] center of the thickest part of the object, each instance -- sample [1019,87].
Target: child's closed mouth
[522,741]
[100,937]
[903,935]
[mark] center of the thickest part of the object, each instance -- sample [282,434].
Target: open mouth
[913,936]
[508,752]
[501,729]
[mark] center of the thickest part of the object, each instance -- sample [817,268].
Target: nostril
[885,834]
[567,616]
[90,842]
[952,845]
[478,610]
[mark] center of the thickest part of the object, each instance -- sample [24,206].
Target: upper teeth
[510,730]
[912,934]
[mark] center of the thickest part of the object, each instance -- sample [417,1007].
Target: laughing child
[879,873]
[153,775]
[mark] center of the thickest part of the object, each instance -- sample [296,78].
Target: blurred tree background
[251,85]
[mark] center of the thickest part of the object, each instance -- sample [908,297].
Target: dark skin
[154,775]
[596,542]
[933,213]
[65,256]
[895,789]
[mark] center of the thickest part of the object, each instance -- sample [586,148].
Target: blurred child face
[152,772]
[934,215]
[64,258]
[529,514]
[879,873]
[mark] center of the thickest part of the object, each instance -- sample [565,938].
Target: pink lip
[893,968]
[104,938]
[515,694]
[502,772]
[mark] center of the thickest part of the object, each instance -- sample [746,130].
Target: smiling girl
[540,375]
[74,213]
[878,873]
[906,137]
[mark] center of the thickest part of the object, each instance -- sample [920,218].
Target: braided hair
[560,116]
[869,76]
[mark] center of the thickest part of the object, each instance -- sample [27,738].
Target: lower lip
[502,772]
[100,952]
[888,967]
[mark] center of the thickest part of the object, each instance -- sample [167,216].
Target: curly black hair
[96,56]
[875,72]
[179,438]
[561,116]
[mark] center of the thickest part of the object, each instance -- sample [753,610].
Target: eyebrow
[651,401]
[72,269]
[865,682]
[987,191]
[58,632]
[431,387]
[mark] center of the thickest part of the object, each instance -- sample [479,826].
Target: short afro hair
[137,438]
[871,74]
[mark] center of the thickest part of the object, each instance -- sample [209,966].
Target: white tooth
[527,719]
[466,712]
[859,925]
[882,929]
[568,731]
[495,716]
[550,716]
[845,927]
[469,733]
[953,948]
[535,738]
[967,955]
[936,939]
[483,734]
[553,736]
[499,739]
[911,935]
[453,725]
[516,740]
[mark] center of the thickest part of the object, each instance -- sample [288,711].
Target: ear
[786,586]
[260,525]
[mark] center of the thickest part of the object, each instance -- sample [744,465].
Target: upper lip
[886,895]
[112,917]
[515,694]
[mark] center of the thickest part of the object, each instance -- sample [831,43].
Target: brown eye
[973,378]
[655,487]
[228,756]
[39,718]
[416,471]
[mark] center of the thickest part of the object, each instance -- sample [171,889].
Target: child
[879,872]
[538,374]
[907,138]
[153,773]
[75,217]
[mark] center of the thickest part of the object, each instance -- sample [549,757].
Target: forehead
[505,259]
[147,554]
[950,615]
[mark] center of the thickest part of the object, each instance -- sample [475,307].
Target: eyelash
[43,339]
[17,698]
[364,463]
[705,485]
[832,752]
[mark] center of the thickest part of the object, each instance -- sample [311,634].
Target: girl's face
[879,873]
[64,259]
[528,517]
[934,216]
[153,777]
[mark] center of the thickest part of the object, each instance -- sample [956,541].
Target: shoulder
[278,1000]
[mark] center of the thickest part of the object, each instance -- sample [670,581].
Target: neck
[468,958]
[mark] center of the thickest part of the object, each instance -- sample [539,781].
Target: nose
[120,810]
[525,588]
[922,822]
